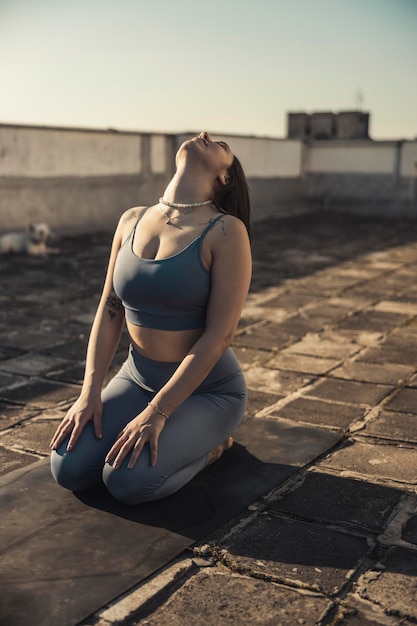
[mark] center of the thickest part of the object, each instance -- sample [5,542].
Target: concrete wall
[78,180]
[40,153]
[82,180]
[408,170]
[347,157]
[364,176]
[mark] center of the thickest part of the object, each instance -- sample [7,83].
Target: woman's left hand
[145,428]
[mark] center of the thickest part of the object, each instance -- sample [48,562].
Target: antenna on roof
[359,99]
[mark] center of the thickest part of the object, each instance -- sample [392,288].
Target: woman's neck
[186,186]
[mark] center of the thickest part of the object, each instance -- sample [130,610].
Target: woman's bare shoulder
[128,219]
[229,226]
[131,215]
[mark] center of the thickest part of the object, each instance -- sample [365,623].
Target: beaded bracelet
[156,409]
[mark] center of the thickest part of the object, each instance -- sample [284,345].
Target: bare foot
[215,454]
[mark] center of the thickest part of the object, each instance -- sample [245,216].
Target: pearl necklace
[191,206]
[180,205]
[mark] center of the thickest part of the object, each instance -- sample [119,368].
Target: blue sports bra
[166,294]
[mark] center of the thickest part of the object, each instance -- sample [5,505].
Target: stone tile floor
[328,338]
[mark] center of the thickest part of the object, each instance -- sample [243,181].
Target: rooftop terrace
[328,342]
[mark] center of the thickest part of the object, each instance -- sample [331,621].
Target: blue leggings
[200,424]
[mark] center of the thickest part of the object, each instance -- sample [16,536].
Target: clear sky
[232,66]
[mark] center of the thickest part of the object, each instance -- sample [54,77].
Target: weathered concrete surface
[327,498]
[328,338]
[393,584]
[220,597]
[297,553]
[377,460]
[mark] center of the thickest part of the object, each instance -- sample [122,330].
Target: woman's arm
[104,339]
[109,319]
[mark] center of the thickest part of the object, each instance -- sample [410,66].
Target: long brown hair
[233,198]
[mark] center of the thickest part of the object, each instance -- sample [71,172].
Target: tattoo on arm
[114,305]
[222,227]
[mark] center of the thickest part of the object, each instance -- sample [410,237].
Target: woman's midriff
[163,345]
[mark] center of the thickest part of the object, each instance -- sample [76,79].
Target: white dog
[33,241]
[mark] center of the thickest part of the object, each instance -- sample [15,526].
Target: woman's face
[216,155]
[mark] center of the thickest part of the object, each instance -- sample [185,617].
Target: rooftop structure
[328,125]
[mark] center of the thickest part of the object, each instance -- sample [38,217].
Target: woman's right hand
[88,407]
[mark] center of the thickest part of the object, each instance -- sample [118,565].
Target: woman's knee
[70,473]
[64,471]
[130,486]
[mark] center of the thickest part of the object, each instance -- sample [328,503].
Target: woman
[178,274]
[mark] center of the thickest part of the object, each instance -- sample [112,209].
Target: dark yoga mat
[66,555]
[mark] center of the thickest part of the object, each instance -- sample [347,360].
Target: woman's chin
[190,147]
